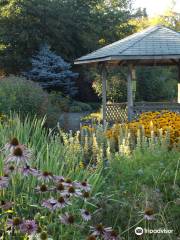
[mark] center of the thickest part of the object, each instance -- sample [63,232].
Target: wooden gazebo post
[130,92]
[179,71]
[104,89]
[178,66]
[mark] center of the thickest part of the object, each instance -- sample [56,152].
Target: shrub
[19,95]
[80,107]
[67,104]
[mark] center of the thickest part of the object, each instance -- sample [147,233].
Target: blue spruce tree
[52,72]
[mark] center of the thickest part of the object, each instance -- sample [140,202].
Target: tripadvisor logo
[139,231]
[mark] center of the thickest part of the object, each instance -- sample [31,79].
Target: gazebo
[154,46]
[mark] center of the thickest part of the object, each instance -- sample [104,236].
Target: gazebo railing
[117,112]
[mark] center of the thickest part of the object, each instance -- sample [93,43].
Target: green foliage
[116,85]
[66,104]
[148,177]
[156,83]
[153,84]
[77,106]
[20,95]
[72,28]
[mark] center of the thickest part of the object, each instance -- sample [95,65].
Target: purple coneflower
[45,176]
[72,191]
[67,219]
[100,230]
[18,156]
[27,170]
[112,235]
[83,186]
[85,195]
[28,227]
[11,145]
[68,182]
[4,182]
[50,204]
[5,205]
[14,223]
[58,179]
[9,169]
[42,189]
[85,215]
[149,214]
[60,187]
[62,202]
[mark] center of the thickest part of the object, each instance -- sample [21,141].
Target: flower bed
[161,122]
[54,196]
[47,193]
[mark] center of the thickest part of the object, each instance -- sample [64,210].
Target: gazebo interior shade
[156,44]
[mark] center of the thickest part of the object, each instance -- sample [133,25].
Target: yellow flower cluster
[94,117]
[113,133]
[163,122]
[155,121]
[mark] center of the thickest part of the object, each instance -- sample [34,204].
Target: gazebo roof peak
[153,43]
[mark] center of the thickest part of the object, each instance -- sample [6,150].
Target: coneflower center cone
[16,221]
[61,200]
[43,188]
[14,142]
[18,152]
[149,211]
[71,219]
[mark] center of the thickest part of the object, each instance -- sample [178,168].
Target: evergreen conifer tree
[52,72]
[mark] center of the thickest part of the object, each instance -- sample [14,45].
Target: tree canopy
[71,27]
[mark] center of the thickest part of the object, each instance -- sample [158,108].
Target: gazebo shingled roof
[156,45]
[153,43]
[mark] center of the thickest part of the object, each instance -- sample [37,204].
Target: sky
[156,7]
